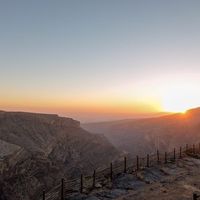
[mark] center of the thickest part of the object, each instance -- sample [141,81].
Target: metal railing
[102,177]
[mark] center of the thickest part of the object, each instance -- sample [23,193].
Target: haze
[99,60]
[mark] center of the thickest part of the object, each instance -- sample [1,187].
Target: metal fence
[86,183]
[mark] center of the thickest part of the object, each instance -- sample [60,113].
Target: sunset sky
[99,59]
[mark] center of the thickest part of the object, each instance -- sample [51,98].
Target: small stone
[98,185]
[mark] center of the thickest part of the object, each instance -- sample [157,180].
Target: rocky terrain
[37,150]
[172,181]
[141,136]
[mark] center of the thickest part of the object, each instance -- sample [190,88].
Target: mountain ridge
[143,136]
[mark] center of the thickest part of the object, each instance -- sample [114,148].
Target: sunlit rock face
[37,150]
[142,136]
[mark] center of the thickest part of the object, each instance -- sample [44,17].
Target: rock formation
[37,150]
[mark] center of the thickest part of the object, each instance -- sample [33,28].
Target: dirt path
[172,181]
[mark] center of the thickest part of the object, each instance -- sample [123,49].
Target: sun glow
[179,98]
[175,109]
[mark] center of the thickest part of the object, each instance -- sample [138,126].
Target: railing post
[137,163]
[43,195]
[111,171]
[148,160]
[174,154]
[180,155]
[62,189]
[81,186]
[186,148]
[125,170]
[165,157]
[193,149]
[94,179]
[158,157]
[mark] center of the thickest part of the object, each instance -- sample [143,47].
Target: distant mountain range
[37,150]
[141,136]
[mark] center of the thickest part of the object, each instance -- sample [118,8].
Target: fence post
[186,148]
[158,157]
[137,163]
[43,195]
[94,178]
[81,187]
[165,157]
[125,170]
[62,189]
[148,160]
[180,155]
[194,148]
[111,171]
[174,154]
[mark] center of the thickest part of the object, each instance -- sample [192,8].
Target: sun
[175,106]
[179,100]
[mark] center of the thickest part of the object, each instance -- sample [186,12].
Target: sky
[99,59]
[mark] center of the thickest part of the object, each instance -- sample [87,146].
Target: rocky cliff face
[39,149]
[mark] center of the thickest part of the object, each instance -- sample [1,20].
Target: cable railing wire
[126,164]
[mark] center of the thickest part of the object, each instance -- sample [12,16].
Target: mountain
[37,150]
[141,136]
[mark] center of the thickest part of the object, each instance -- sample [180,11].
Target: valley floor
[172,181]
